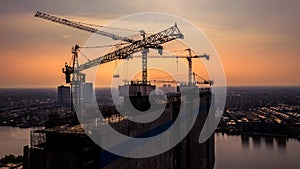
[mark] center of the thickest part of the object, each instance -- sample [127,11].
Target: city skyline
[257,41]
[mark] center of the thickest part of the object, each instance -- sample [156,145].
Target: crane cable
[84,56]
[101,26]
[103,46]
[169,76]
[90,47]
[199,76]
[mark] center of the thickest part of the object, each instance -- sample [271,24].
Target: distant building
[87,93]
[64,95]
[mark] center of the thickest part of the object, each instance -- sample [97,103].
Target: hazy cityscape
[273,111]
[260,110]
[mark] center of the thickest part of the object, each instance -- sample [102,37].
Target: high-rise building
[87,93]
[64,95]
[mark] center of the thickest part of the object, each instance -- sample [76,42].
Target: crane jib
[80,26]
[149,42]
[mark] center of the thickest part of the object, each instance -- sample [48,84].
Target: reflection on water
[12,140]
[268,141]
[281,142]
[248,152]
[256,141]
[245,140]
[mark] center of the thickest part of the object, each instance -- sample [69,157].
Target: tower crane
[152,41]
[69,69]
[189,59]
[190,69]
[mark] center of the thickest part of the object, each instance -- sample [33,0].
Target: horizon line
[35,87]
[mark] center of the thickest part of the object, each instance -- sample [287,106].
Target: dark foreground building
[69,147]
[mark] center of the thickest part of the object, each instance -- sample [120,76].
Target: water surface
[12,140]
[236,152]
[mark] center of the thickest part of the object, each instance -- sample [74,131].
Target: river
[236,152]
[12,140]
[232,152]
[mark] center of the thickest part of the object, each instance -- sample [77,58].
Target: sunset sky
[258,41]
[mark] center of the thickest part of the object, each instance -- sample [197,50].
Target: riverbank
[11,161]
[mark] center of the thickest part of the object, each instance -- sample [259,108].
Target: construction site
[66,143]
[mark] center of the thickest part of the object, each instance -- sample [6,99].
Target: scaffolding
[37,139]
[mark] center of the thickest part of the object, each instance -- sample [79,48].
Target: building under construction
[68,146]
